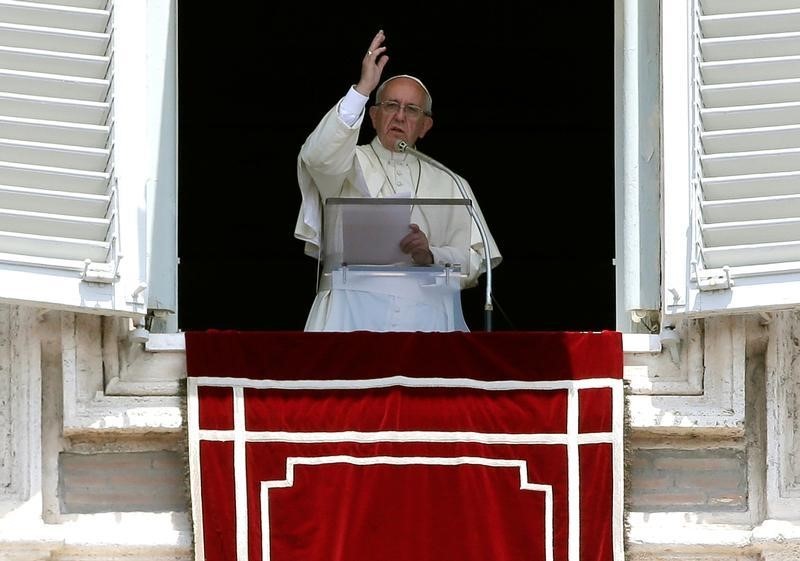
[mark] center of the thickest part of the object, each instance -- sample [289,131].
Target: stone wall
[92,441]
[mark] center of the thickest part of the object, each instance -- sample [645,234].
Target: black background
[523,109]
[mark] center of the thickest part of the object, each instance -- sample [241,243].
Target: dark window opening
[523,108]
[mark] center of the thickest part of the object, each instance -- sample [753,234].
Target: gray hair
[428,106]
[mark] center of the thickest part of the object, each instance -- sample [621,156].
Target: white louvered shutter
[70,229]
[739,186]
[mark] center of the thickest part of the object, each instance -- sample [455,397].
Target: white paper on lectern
[371,234]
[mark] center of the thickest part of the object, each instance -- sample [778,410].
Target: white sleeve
[352,106]
[326,160]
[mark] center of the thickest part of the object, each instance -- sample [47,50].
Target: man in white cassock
[331,164]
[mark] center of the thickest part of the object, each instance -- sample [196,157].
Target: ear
[373,115]
[426,126]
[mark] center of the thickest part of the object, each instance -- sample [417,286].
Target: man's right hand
[372,65]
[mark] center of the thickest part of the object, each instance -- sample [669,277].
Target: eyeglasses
[413,112]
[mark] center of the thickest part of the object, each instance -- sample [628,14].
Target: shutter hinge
[713,279]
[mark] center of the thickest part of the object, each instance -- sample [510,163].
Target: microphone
[403,146]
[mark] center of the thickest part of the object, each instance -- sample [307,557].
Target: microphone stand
[403,146]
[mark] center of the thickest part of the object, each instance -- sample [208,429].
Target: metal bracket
[713,279]
[100,272]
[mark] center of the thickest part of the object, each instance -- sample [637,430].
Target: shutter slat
[744,163]
[750,23]
[746,140]
[779,230]
[53,85]
[759,208]
[55,155]
[752,116]
[750,70]
[44,38]
[36,261]
[54,109]
[53,15]
[751,93]
[53,202]
[745,47]
[53,62]
[58,179]
[744,186]
[54,132]
[752,254]
[54,225]
[712,7]
[92,4]
[52,247]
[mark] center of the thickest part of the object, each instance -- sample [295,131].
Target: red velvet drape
[407,446]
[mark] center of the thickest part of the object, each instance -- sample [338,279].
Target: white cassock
[331,164]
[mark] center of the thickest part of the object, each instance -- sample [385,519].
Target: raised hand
[372,65]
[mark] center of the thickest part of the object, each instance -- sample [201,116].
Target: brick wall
[122,482]
[669,480]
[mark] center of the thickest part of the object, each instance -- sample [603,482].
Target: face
[391,127]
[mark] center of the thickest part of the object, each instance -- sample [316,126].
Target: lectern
[374,285]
